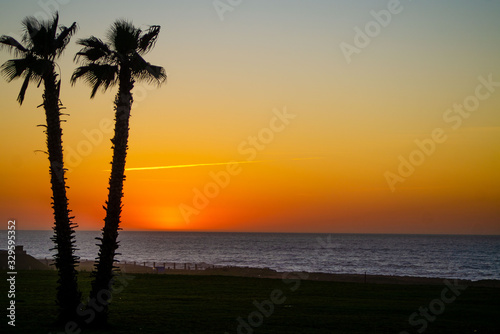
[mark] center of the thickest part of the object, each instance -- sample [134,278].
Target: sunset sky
[345,116]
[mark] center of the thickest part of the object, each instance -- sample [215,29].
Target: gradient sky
[325,170]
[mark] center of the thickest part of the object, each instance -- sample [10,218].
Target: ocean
[445,256]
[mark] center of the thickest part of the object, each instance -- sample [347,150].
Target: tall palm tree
[118,61]
[42,43]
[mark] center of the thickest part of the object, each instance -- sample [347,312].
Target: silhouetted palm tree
[104,64]
[42,44]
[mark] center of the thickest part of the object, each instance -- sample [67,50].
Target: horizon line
[275,232]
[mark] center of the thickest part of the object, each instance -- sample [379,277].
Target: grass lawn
[212,304]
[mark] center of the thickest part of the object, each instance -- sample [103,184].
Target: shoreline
[206,270]
[27,262]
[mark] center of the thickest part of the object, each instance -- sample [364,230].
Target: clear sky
[364,117]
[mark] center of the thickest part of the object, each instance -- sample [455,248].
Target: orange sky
[321,139]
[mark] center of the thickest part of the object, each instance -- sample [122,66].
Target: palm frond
[97,76]
[12,45]
[52,27]
[15,68]
[39,67]
[102,62]
[148,40]
[31,29]
[152,74]
[42,37]
[92,42]
[92,55]
[24,87]
[123,36]
[94,49]
[29,68]
[37,36]
[64,37]
[144,71]
[157,72]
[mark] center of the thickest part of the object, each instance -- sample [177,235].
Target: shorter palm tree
[44,42]
[117,62]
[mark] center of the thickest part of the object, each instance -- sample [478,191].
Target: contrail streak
[207,164]
[194,165]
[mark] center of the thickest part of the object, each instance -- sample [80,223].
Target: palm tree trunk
[68,295]
[103,271]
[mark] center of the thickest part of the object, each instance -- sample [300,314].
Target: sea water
[446,256]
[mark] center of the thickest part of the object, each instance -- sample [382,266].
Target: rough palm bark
[44,42]
[105,64]
[104,267]
[68,295]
